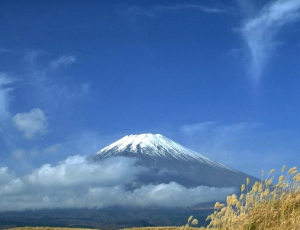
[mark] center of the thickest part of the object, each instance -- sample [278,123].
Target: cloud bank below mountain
[78,182]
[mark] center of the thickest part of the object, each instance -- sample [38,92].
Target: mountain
[169,161]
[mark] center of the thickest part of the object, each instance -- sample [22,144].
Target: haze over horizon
[221,78]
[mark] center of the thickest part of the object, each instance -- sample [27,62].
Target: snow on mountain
[168,161]
[155,145]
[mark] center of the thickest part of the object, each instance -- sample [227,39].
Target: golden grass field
[263,207]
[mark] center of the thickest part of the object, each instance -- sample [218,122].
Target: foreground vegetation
[264,207]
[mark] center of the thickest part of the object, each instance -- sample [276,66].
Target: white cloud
[153,11]
[196,128]
[175,195]
[32,123]
[135,10]
[5,177]
[5,88]
[78,182]
[259,32]
[31,57]
[62,61]
[78,171]
[19,154]
[52,148]
[219,129]
[45,76]
[204,9]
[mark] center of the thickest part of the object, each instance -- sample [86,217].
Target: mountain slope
[169,161]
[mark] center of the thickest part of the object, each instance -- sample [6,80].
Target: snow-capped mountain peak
[166,161]
[155,145]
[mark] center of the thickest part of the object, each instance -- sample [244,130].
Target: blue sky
[220,77]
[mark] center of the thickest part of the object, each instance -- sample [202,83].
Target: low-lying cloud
[78,182]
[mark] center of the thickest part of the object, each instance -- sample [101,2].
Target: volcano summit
[168,161]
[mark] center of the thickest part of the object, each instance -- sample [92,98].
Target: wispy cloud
[47,77]
[52,148]
[5,51]
[39,74]
[78,183]
[201,8]
[158,9]
[32,123]
[196,128]
[259,32]
[5,89]
[39,67]
[21,154]
[136,10]
[218,128]
[18,154]
[61,62]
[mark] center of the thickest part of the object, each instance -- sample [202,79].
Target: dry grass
[264,207]
[161,228]
[155,228]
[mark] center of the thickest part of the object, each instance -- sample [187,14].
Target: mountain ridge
[156,141]
[169,161]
